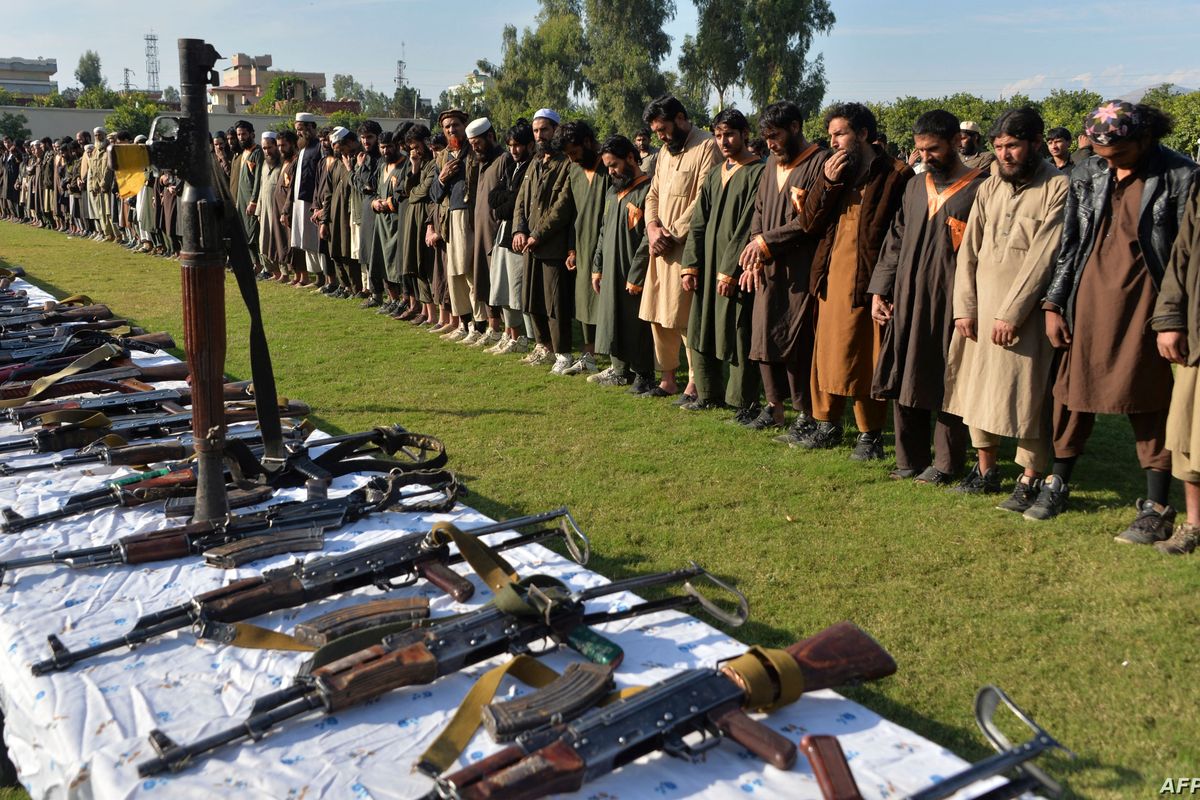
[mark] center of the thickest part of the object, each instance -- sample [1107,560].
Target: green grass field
[1098,641]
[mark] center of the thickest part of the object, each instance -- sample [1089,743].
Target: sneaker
[519,345]
[683,399]
[1051,500]
[542,358]
[499,345]
[976,483]
[458,334]
[1023,495]
[764,421]
[1183,541]
[702,405]
[869,447]
[934,477]
[489,339]
[534,353]
[585,363]
[387,308]
[601,375]
[472,336]
[612,378]
[801,427]
[1152,524]
[442,327]
[562,363]
[823,436]
[642,385]
[745,415]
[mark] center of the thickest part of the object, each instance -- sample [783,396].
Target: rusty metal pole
[202,260]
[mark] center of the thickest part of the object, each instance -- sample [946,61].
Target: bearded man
[260,206]
[304,234]
[589,184]
[970,147]
[243,184]
[999,366]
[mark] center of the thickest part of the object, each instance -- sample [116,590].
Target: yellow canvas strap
[80,417]
[771,678]
[76,300]
[489,565]
[253,637]
[103,353]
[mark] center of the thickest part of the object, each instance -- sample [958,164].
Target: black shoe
[823,436]
[642,386]
[745,416]
[801,427]
[702,405]
[329,289]
[903,473]
[657,391]
[1051,500]
[1023,496]
[934,477]
[869,447]
[370,302]
[1153,523]
[686,398]
[764,421]
[976,483]
[387,308]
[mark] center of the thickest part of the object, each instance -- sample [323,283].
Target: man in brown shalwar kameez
[912,286]
[776,264]
[999,370]
[1123,212]
[851,209]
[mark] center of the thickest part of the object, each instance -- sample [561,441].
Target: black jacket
[310,165]
[1168,176]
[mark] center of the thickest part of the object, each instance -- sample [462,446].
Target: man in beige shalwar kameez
[679,173]
[1000,361]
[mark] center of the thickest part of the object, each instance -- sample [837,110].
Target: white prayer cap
[304,116]
[141,137]
[89,146]
[269,135]
[98,131]
[547,113]
[337,134]
[478,127]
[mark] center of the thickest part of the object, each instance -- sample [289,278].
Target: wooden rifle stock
[446,579]
[839,655]
[554,769]
[253,597]
[373,671]
[772,747]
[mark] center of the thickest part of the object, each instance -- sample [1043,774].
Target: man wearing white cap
[483,175]
[971,149]
[336,213]
[304,234]
[543,224]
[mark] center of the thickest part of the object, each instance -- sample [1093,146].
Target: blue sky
[876,51]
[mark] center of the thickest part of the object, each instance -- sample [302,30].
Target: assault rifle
[136,402]
[837,781]
[536,609]
[26,337]
[99,380]
[55,316]
[74,435]
[705,701]
[79,343]
[388,565]
[242,538]
[120,350]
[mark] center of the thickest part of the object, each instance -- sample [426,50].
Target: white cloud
[1024,85]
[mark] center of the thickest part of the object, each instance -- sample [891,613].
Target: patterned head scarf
[1112,122]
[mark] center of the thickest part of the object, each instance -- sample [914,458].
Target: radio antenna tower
[151,62]
[400,69]
[128,74]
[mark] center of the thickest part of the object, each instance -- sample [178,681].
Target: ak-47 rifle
[97,426]
[27,337]
[837,781]
[120,349]
[243,538]
[710,702]
[79,343]
[55,316]
[388,565]
[535,609]
[135,402]
[98,380]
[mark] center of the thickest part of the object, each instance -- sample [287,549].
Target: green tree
[285,94]
[694,99]
[1063,108]
[6,97]
[346,88]
[98,97]
[134,113]
[52,100]
[348,119]
[170,95]
[779,34]
[713,58]
[13,126]
[626,44]
[88,72]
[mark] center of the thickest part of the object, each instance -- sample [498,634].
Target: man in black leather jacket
[1123,212]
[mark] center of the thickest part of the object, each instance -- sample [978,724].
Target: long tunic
[670,202]
[720,229]
[588,188]
[268,220]
[304,233]
[545,211]
[916,272]
[281,205]
[621,259]
[249,165]
[416,256]
[364,179]
[385,238]
[337,211]
[1113,365]
[780,226]
[1004,266]
[482,177]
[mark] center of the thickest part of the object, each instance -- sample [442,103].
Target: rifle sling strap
[81,364]
[772,678]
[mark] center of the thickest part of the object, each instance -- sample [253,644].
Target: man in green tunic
[416,254]
[719,323]
[337,211]
[589,185]
[385,238]
[619,271]
[243,179]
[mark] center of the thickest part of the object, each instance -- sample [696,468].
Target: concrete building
[28,75]
[245,80]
